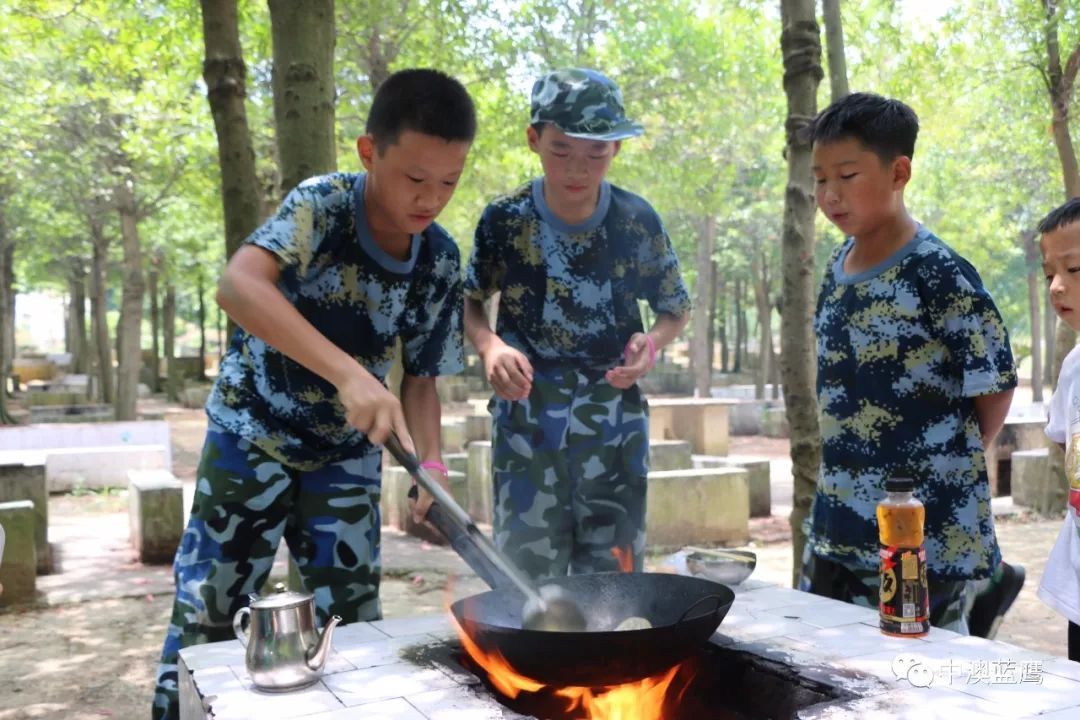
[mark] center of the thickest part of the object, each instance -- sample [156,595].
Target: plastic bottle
[904,598]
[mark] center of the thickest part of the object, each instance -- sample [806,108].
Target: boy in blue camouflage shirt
[571,255]
[915,372]
[322,291]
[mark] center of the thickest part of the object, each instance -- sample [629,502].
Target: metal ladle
[547,608]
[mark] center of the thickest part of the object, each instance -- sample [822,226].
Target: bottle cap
[899,485]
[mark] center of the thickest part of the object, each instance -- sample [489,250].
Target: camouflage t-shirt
[361,299]
[570,292]
[903,349]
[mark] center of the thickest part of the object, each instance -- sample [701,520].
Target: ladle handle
[462,544]
[453,515]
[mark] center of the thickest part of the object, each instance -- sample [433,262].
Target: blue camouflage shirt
[361,299]
[570,292]
[903,349]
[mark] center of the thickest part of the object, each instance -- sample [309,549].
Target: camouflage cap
[583,104]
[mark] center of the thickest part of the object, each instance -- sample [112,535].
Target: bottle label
[904,600]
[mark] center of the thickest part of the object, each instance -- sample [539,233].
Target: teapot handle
[238,624]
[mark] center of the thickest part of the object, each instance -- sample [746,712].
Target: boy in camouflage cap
[571,255]
[350,263]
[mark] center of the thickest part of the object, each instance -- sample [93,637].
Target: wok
[683,612]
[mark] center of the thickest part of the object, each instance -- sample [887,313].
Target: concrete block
[688,507]
[453,434]
[701,421]
[1033,486]
[72,413]
[479,479]
[79,435]
[757,469]
[18,566]
[457,462]
[669,455]
[194,397]
[27,482]
[775,423]
[747,416]
[1018,433]
[51,398]
[100,467]
[155,513]
[477,427]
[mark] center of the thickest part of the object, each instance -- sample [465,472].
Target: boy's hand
[636,363]
[373,410]
[423,501]
[508,371]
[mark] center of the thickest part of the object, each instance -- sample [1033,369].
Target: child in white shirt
[1060,244]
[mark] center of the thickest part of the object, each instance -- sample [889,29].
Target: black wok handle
[716,611]
[462,543]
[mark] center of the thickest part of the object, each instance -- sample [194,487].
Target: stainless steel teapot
[284,650]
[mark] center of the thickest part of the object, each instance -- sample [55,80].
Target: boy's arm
[248,292]
[992,411]
[665,328]
[507,369]
[420,403]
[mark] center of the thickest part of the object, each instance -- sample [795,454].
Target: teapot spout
[316,656]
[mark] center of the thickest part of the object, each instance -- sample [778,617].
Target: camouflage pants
[245,502]
[569,470]
[948,598]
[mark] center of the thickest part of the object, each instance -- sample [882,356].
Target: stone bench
[18,566]
[701,421]
[72,413]
[27,482]
[155,514]
[1033,486]
[78,435]
[100,467]
[1018,433]
[453,434]
[774,423]
[757,469]
[479,480]
[669,455]
[477,427]
[688,507]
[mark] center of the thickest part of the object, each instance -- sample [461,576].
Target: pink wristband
[433,465]
[652,350]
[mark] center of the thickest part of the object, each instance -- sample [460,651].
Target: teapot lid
[279,599]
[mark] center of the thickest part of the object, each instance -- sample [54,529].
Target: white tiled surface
[372,673]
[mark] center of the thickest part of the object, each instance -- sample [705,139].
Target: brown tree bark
[834,41]
[1035,288]
[129,355]
[98,319]
[740,327]
[7,308]
[721,317]
[202,326]
[77,318]
[155,324]
[303,84]
[172,387]
[800,43]
[699,345]
[760,279]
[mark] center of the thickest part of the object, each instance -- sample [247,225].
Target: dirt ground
[97,658]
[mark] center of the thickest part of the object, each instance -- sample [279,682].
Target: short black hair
[1061,216]
[885,126]
[424,101]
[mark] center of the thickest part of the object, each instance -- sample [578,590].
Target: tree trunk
[722,317]
[172,389]
[712,315]
[1049,339]
[699,347]
[303,84]
[1035,286]
[740,326]
[801,46]
[155,326]
[77,324]
[834,41]
[7,310]
[129,355]
[764,313]
[98,317]
[202,327]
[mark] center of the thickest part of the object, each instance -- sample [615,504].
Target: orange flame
[625,556]
[643,700]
